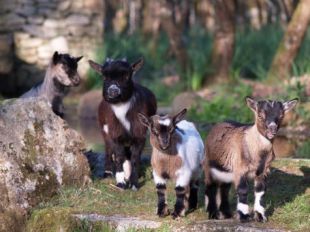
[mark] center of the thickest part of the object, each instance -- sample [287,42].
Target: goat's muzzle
[272,130]
[114,91]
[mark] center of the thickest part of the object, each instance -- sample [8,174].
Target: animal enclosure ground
[287,202]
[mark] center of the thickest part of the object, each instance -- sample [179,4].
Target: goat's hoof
[225,215]
[163,212]
[108,174]
[176,215]
[122,185]
[214,215]
[243,217]
[260,217]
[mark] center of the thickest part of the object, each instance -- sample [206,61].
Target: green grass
[287,201]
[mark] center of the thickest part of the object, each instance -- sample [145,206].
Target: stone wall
[31,30]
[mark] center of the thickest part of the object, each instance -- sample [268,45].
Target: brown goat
[237,152]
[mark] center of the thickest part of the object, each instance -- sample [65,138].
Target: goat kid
[237,152]
[123,135]
[178,153]
[60,76]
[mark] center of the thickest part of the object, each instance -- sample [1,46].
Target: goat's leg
[162,207]
[108,161]
[136,150]
[210,200]
[242,206]
[259,191]
[193,195]
[119,152]
[182,192]
[224,206]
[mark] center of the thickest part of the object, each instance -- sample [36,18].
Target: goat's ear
[251,103]
[56,57]
[95,66]
[179,116]
[78,58]
[289,105]
[144,120]
[137,65]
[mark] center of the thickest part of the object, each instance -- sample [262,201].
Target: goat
[178,153]
[60,76]
[238,152]
[123,135]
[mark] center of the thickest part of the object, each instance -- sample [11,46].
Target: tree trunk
[224,38]
[289,46]
[172,23]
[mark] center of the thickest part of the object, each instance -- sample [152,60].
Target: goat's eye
[261,115]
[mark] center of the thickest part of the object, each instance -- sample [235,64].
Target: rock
[77,19]
[184,100]
[120,223]
[89,102]
[59,44]
[227,225]
[39,154]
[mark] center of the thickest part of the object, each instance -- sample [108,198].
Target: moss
[61,219]
[50,220]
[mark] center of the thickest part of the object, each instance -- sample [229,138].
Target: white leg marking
[206,201]
[105,128]
[257,206]
[183,177]
[120,177]
[226,177]
[127,169]
[120,110]
[158,179]
[244,208]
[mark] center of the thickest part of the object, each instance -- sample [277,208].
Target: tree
[290,44]
[172,20]
[224,39]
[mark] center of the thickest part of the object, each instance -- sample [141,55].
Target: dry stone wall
[31,30]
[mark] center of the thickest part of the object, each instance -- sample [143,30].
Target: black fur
[161,204]
[193,196]
[242,191]
[224,206]
[179,204]
[211,191]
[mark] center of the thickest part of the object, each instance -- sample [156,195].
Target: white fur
[165,122]
[244,208]
[257,206]
[120,110]
[191,151]
[272,124]
[120,177]
[158,179]
[127,169]
[206,201]
[105,128]
[226,177]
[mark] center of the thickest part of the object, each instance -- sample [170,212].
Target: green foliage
[303,151]
[254,51]
[229,104]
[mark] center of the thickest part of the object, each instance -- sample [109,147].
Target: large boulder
[39,154]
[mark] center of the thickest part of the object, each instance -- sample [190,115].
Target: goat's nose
[273,127]
[114,91]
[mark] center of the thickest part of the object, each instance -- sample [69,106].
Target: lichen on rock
[38,154]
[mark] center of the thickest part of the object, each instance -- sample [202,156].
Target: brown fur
[228,146]
[165,163]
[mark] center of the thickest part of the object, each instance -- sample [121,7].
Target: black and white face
[65,69]
[162,127]
[117,75]
[269,114]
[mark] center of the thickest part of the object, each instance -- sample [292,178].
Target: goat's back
[225,141]
[192,145]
